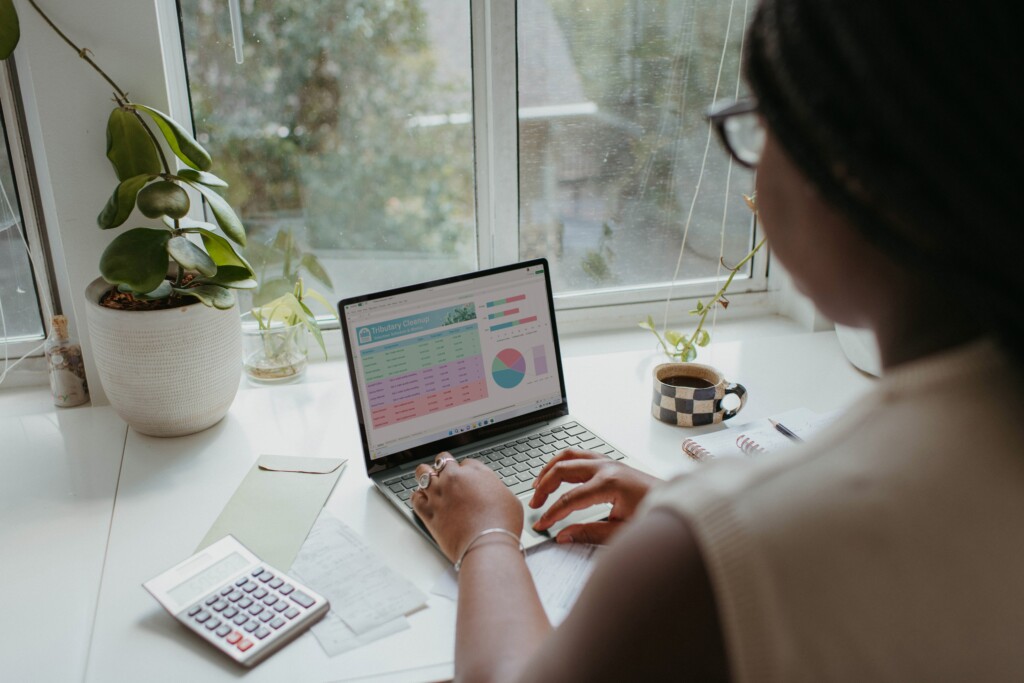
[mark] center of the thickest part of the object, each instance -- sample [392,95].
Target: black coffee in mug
[692,382]
[690,395]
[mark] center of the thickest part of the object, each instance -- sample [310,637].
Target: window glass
[20,319]
[615,156]
[345,135]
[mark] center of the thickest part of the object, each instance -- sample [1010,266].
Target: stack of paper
[559,572]
[368,599]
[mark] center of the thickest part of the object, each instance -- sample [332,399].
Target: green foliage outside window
[321,122]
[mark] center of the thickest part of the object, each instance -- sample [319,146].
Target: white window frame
[496,138]
[144,52]
[496,142]
[26,201]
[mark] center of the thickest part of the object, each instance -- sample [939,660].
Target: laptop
[470,365]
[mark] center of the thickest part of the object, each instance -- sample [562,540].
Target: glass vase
[273,355]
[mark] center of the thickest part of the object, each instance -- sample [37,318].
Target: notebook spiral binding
[748,445]
[696,451]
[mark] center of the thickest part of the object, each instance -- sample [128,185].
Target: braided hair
[907,118]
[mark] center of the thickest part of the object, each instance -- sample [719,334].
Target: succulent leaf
[202,177]
[235,277]
[178,139]
[10,29]
[187,224]
[163,198]
[191,257]
[162,292]
[119,206]
[130,149]
[221,250]
[136,258]
[223,213]
[211,295]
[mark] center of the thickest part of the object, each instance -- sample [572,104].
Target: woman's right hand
[601,480]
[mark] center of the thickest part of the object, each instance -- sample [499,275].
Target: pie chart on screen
[508,368]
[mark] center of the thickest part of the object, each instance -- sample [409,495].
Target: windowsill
[30,373]
[26,390]
[634,338]
[17,401]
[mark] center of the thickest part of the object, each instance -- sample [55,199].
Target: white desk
[170,491]
[58,477]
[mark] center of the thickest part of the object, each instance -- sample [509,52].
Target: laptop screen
[436,365]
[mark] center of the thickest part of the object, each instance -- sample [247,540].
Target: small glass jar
[64,362]
[273,355]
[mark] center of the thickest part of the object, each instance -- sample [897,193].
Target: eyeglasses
[740,129]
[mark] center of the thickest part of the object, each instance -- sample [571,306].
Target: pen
[785,431]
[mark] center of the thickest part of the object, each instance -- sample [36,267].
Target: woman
[890,548]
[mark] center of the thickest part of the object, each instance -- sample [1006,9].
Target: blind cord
[7,210]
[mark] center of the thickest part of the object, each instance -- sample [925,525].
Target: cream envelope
[275,506]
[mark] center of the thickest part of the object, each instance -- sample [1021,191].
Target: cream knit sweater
[891,548]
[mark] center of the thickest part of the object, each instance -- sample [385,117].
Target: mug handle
[741,392]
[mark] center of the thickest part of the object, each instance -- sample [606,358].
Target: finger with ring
[441,463]
[424,480]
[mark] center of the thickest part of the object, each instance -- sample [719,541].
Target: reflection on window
[20,319]
[345,135]
[614,160]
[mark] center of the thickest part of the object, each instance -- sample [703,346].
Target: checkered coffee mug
[690,395]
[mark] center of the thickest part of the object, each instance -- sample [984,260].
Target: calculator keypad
[250,609]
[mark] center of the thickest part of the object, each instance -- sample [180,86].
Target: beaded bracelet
[469,546]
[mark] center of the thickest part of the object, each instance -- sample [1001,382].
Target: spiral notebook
[756,437]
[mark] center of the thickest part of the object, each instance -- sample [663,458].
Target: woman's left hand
[462,500]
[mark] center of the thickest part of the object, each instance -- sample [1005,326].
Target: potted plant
[274,336]
[163,318]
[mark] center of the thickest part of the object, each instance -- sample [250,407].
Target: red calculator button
[234,637]
[244,644]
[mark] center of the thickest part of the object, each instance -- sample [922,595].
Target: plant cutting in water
[683,347]
[290,310]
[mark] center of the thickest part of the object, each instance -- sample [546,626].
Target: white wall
[67,105]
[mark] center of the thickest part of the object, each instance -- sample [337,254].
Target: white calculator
[239,604]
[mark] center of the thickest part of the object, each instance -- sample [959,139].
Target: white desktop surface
[58,477]
[171,490]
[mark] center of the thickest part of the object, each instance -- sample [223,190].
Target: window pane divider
[496,130]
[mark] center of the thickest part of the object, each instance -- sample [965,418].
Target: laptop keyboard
[519,462]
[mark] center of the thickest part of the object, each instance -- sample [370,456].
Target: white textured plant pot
[167,373]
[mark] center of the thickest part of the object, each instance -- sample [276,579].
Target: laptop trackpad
[531,537]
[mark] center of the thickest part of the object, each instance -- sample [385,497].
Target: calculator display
[214,575]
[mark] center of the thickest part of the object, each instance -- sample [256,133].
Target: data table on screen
[424,375]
